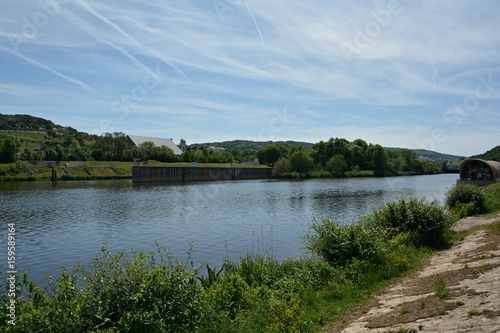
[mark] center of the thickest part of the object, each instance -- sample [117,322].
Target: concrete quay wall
[166,174]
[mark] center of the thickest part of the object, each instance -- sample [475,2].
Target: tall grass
[492,198]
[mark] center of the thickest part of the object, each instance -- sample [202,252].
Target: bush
[427,221]
[340,244]
[465,194]
[129,291]
[492,198]
[290,175]
[360,173]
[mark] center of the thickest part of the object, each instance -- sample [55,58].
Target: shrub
[426,221]
[465,194]
[466,209]
[492,198]
[129,291]
[290,175]
[340,244]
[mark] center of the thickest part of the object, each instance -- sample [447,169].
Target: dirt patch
[469,273]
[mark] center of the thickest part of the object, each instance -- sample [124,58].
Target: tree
[337,165]
[379,160]
[319,153]
[119,145]
[301,162]
[8,150]
[269,154]
[147,149]
[281,166]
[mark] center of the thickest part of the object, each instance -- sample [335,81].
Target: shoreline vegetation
[345,265]
[24,138]
[98,170]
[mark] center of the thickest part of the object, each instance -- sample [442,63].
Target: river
[69,222]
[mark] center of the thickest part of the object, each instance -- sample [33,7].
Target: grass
[492,198]
[441,289]
[474,313]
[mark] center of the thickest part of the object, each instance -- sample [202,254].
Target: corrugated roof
[137,140]
[493,165]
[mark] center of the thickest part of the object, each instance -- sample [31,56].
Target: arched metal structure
[479,172]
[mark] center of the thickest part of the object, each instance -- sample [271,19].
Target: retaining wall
[166,174]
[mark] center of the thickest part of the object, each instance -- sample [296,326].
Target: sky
[416,74]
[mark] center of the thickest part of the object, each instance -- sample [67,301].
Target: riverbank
[91,170]
[469,272]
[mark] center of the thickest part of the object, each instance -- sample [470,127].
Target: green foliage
[441,288]
[269,154]
[360,173]
[462,210]
[340,244]
[281,166]
[492,198]
[492,154]
[379,160]
[24,122]
[11,169]
[301,162]
[289,175]
[128,292]
[337,165]
[466,199]
[8,150]
[426,221]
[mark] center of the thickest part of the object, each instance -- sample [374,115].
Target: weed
[405,311]
[474,313]
[441,289]
[454,305]
[478,271]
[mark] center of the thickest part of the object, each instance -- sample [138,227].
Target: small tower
[183,145]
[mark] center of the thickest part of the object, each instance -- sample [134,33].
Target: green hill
[23,122]
[492,155]
[249,145]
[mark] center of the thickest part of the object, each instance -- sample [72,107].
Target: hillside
[34,132]
[249,145]
[23,122]
[432,155]
[493,154]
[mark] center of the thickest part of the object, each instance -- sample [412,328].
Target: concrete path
[470,272]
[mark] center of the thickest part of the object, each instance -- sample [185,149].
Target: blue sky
[408,73]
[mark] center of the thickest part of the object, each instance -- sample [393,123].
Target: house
[136,140]
[216,149]
[479,172]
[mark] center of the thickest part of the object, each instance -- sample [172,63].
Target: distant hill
[432,155]
[23,122]
[492,155]
[249,145]
[436,157]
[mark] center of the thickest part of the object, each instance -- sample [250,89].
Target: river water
[69,222]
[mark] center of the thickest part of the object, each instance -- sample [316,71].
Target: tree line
[338,156]
[335,157]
